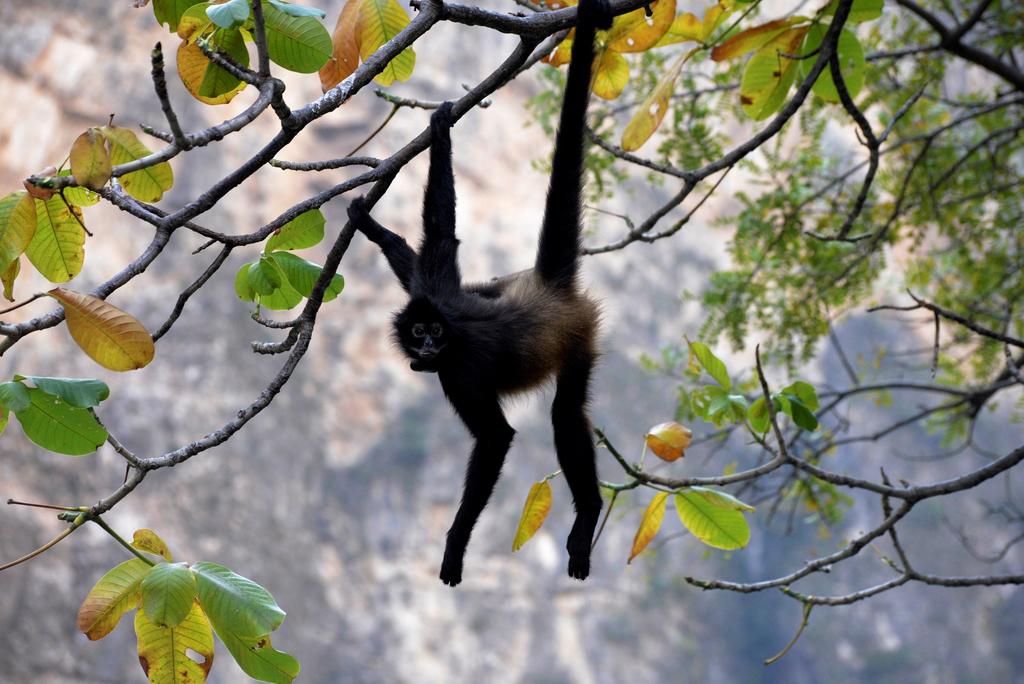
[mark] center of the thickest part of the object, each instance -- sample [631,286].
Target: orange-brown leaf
[562,54]
[109,336]
[345,58]
[535,510]
[752,39]
[649,525]
[668,440]
[114,594]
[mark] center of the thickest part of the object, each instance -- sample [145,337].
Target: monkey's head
[423,332]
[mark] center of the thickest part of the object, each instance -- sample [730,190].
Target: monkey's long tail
[558,251]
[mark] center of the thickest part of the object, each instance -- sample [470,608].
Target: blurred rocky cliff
[338,497]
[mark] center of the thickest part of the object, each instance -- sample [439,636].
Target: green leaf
[297,43]
[14,396]
[53,424]
[305,230]
[713,524]
[168,593]
[303,275]
[57,249]
[711,363]
[17,226]
[229,15]
[80,392]
[768,76]
[243,288]
[851,64]
[722,499]
[112,596]
[169,11]
[298,10]
[861,11]
[259,659]
[148,184]
[234,604]
[170,655]
[80,197]
[758,415]
[265,276]
[805,392]
[801,415]
[4,417]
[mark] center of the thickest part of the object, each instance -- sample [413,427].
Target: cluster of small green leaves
[279,279]
[179,607]
[296,41]
[54,412]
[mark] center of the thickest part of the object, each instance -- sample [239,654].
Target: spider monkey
[491,340]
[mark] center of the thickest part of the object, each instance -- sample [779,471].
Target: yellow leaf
[650,114]
[668,440]
[90,160]
[636,32]
[345,57]
[377,22]
[8,278]
[109,336]
[649,525]
[166,653]
[17,226]
[752,39]
[204,80]
[57,249]
[714,17]
[768,75]
[112,596]
[535,510]
[611,74]
[562,54]
[147,540]
[685,27]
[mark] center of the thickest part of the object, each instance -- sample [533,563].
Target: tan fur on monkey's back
[561,322]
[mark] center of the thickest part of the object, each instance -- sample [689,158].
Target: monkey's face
[422,331]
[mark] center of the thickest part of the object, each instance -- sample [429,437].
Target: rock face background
[338,497]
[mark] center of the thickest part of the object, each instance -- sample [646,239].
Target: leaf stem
[120,540]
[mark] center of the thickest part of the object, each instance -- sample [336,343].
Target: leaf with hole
[108,335]
[535,511]
[166,653]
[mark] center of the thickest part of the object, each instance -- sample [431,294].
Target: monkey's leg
[575,449]
[486,422]
[397,251]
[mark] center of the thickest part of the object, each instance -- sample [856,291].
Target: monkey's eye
[436,330]
[418,330]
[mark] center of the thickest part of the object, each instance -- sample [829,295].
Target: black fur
[487,341]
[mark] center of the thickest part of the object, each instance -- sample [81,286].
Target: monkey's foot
[451,571]
[579,567]
[596,12]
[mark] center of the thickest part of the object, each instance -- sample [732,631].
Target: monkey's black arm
[558,252]
[437,269]
[397,251]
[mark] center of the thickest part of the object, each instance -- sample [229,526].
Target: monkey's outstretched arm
[437,269]
[397,251]
[558,252]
